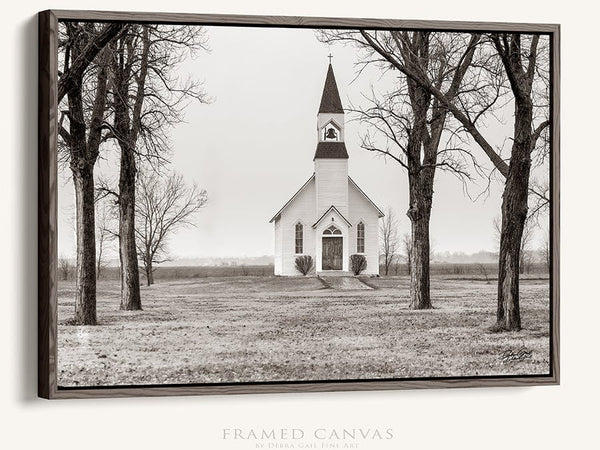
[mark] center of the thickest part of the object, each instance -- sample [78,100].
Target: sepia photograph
[270,205]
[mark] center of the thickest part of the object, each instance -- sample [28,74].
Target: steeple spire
[330,122]
[330,100]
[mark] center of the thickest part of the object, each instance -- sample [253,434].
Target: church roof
[331,149]
[379,211]
[331,208]
[330,100]
[276,216]
[312,177]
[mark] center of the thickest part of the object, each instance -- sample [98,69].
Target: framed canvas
[251,204]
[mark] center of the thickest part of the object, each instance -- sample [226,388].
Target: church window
[299,238]
[332,230]
[360,238]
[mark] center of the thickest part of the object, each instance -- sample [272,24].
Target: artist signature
[519,355]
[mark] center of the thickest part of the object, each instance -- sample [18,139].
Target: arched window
[299,236]
[332,230]
[360,237]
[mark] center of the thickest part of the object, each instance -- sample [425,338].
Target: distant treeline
[480,269]
[484,270]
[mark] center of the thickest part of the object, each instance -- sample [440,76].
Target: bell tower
[330,118]
[331,156]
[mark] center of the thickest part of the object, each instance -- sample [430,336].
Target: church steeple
[330,121]
[331,156]
[330,100]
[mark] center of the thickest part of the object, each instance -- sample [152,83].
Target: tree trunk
[421,192]
[85,298]
[99,259]
[421,156]
[127,128]
[149,273]
[514,213]
[508,315]
[82,167]
[130,276]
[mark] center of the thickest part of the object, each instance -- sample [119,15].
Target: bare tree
[407,249]
[65,267]
[526,252]
[525,64]
[410,123]
[397,265]
[389,239]
[162,206]
[546,253]
[101,261]
[80,136]
[118,83]
[148,98]
[105,232]
[483,270]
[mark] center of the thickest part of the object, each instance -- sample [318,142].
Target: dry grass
[246,329]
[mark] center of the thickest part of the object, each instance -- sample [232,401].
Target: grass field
[243,329]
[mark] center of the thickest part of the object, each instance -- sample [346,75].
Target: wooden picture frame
[48,221]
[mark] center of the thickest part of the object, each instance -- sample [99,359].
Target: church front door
[332,253]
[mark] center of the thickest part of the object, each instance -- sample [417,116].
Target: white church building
[329,217]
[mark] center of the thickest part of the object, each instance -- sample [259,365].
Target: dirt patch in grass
[245,329]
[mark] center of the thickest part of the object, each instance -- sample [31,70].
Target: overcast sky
[252,147]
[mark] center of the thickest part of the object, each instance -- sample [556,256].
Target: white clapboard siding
[362,209]
[278,263]
[301,209]
[332,185]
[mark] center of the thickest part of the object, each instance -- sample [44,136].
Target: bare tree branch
[76,68]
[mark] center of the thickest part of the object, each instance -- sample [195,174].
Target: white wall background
[548,417]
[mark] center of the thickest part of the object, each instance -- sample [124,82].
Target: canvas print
[247,205]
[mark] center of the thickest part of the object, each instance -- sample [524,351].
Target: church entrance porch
[333,251]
